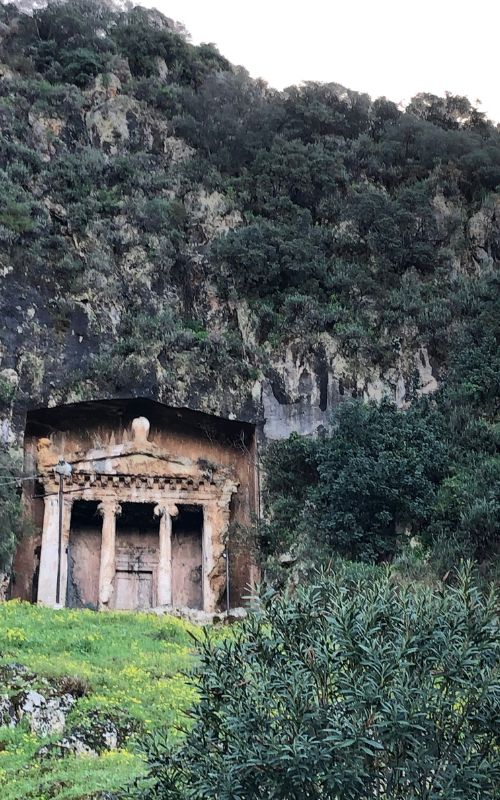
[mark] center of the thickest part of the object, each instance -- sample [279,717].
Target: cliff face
[173,230]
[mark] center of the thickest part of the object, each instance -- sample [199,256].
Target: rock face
[64,339]
[46,713]
[303,386]
[100,733]
[299,393]
[46,710]
[8,715]
[4,585]
[47,717]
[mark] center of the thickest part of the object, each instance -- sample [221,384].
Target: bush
[349,689]
[267,260]
[10,506]
[467,510]
[378,475]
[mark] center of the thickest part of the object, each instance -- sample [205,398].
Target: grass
[131,666]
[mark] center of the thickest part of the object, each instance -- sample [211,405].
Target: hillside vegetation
[171,228]
[126,675]
[133,161]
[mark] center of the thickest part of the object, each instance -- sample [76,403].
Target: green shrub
[267,259]
[349,689]
[7,391]
[17,217]
[467,510]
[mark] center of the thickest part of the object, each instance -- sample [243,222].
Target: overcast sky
[394,48]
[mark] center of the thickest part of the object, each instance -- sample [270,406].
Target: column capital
[162,509]
[109,506]
[51,499]
[229,488]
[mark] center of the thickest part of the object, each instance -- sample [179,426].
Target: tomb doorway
[84,555]
[187,557]
[137,552]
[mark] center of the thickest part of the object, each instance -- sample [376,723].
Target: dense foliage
[356,215]
[382,482]
[352,688]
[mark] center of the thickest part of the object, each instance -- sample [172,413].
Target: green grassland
[130,667]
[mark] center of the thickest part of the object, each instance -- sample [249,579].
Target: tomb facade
[150,512]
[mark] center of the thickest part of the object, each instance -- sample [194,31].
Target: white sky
[394,48]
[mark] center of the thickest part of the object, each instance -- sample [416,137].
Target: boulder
[7,712]
[46,716]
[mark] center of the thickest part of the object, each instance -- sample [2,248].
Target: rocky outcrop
[304,384]
[211,213]
[484,232]
[46,131]
[46,716]
[112,123]
[99,733]
[46,709]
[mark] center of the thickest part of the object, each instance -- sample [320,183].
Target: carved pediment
[129,462]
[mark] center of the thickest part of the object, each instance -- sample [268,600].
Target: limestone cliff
[171,229]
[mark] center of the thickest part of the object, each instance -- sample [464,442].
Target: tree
[449,112]
[324,109]
[266,259]
[350,689]
[69,40]
[373,475]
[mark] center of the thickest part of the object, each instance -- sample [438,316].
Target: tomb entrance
[136,557]
[187,557]
[146,507]
[83,555]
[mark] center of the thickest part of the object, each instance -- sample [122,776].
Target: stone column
[50,551]
[164,588]
[47,579]
[209,529]
[109,509]
[67,506]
